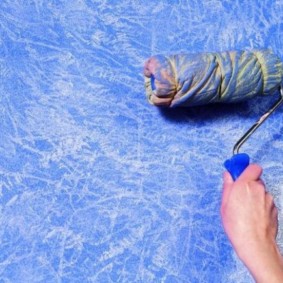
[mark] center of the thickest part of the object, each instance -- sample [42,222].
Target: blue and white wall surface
[96,185]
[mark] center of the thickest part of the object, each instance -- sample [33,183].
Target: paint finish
[96,185]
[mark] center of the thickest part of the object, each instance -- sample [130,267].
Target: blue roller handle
[237,164]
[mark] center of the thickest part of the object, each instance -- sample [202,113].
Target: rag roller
[185,80]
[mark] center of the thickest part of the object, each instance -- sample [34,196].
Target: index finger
[251,173]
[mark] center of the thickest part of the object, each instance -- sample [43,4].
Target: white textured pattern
[96,185]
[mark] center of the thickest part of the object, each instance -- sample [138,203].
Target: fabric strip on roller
[196,79]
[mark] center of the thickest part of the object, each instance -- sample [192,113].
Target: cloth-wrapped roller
[196,79]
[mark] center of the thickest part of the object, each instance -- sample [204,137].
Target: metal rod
[242,140]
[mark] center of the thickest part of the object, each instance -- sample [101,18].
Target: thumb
[227,179]
[227,185]
[251,173]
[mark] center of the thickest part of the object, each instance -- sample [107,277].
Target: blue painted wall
[96,185]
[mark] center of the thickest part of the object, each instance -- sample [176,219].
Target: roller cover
[196,79]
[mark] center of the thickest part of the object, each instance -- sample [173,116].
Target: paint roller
[186,80]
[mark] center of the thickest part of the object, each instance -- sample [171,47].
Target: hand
[249,218]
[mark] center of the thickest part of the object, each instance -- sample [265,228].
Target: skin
[249,219]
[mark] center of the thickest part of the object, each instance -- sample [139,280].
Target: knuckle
[269,197]
[257,185]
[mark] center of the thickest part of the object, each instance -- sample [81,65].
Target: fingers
[227,178]
[227,184]
[261,182]
[269,200]
[274,212]
[274,215]
[251,173]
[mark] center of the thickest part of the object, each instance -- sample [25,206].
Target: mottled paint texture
[96,185]
[199,79]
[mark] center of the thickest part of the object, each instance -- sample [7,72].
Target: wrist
[264,262]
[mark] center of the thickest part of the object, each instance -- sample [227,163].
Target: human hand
[249,219]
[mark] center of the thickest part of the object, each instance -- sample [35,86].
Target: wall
[96,184]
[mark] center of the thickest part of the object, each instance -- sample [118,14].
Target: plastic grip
[237,164]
